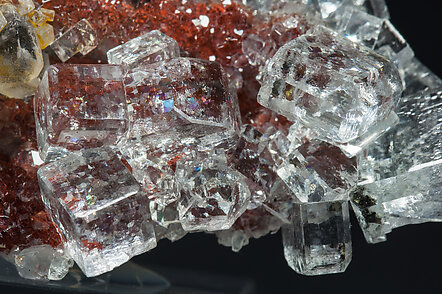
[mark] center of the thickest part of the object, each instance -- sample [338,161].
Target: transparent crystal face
[79,106]
[99,208]
[151,47]
[80,38]
[336,87]
[318,240]
[182,91]
[212,195]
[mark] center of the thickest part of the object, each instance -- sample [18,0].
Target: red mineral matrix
[203,29]
[23,220]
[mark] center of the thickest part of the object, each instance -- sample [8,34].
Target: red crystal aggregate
[23,220]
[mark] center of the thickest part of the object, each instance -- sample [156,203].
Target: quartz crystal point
[336,87]
[318,240]
[21,59]
[79,106]
[42,262]
[212,195]
[400,173]
[81,38]
[149,48]
[99,209]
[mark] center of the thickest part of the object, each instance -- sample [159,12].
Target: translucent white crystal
[151,47]
[99,209]
[418,77]
[336,87]
[80,38]
[79,106]
[318,241]
[43,262]
[25,6]
[21,59]
[400,179]
[359,26]
[212,195]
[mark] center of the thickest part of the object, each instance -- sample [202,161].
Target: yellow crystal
[49,13]
[41,16]
[25,6]
[3,21]
[45,35]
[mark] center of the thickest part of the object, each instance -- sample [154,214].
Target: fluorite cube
[99,209]
[318,241]
[178,93]
[80,38]
[79,106]
[151,47]
[336,87]
[212,195]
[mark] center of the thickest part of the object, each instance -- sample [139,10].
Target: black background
[410,260]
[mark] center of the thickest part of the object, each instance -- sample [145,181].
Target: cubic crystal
[212,195]
[79,106]
[151,47]
[332,85]
[99,208]
[21,60]
[81,38]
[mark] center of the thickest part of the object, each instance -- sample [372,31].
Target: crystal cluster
[237,118]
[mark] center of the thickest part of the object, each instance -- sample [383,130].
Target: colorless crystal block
[409,198]
[336,87]
[151,47]
[318,171]
[21,60]
[99,209]
[212,195]
[43,262]
[79,106]
[331,10]
[318,240]
[400,173]
[359,26]
[81,38]
[180,92]
[418,77]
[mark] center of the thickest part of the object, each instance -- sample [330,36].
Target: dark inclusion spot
[364,202]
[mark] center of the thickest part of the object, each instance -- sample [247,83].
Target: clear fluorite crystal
[400,173]
[151,47]
[417,77]
[212,195]
[21,59]
[99,209]
[43,262]
[318,241]
[79,106]
[80,38]
[339,89]
[178,93]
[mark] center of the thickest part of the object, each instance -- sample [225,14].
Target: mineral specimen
[99,209]
[336,87]
[21,59]
[79,106]
[400,172]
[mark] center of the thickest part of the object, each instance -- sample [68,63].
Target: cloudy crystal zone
[400,173]
[318,240]
[97,205]
[338,88]
[79,106]
[212,195]
[21,59]
[151,47]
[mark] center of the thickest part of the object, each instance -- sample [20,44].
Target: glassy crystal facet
[79,106]
[99,208]
[336,87]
